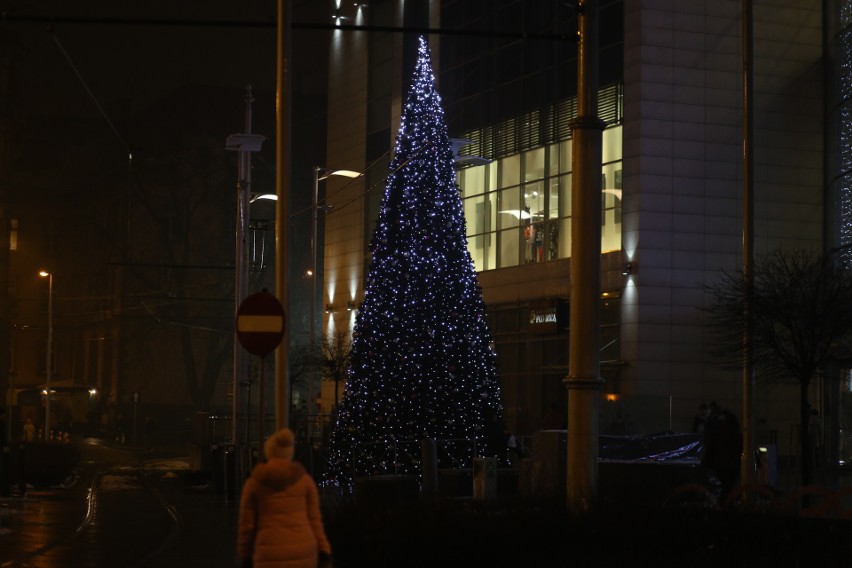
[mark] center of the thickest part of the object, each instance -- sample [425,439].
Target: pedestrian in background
[497,438]
[280,523]
[29,430]
[723,448]
[701,418]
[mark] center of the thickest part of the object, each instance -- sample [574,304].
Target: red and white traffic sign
[260,323]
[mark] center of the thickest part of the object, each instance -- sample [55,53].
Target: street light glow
[345,173]
[48,349]
[320,174]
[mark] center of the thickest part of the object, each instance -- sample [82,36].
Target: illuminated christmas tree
[422,364]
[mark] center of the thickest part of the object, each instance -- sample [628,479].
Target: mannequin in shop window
[554,240]
[529,236]
[538,242]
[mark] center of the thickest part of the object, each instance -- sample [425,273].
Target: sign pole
[260,414]
[260,329]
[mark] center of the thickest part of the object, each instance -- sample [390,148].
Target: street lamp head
[267,196]
[329,172]
[43,273]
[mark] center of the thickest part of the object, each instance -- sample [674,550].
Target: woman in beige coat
[280,524]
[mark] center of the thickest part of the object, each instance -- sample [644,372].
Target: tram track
[126,519]
[25,559]
[174,535]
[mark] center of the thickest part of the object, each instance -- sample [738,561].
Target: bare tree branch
[801,313]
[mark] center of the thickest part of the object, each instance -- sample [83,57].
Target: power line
[271,24]
[90,93]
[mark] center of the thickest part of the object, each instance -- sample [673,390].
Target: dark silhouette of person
[723,448]
[701,418]
[496,437]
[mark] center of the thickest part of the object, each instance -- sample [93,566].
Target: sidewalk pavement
[467,533]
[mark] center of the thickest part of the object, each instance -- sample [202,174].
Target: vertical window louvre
[505,138]
[566,112]
[541,127]
[609,104]
[488,141]
[529,131]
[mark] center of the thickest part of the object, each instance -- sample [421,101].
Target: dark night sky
[129,64]
[134,63]
[63,171]
[133,56]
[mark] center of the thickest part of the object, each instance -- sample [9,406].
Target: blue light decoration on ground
[422,363]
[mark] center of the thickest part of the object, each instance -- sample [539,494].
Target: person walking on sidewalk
[280,523]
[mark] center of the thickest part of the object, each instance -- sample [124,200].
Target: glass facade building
[518,208]
[671,173]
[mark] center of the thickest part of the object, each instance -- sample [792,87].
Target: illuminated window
[518,208]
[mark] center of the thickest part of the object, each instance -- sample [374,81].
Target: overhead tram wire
[90,93]
[9,17]
[127,149]
[399,167]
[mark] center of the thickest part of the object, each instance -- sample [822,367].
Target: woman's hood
[278,473]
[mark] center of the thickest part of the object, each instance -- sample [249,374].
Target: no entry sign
[260,323]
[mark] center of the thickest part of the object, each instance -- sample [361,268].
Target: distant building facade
[671,96]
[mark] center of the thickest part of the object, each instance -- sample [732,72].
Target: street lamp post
[244,144]
[320,174]
[48,359]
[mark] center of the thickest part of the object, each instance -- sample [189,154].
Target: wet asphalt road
[119,511]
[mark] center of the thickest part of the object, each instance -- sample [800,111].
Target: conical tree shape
[422,365]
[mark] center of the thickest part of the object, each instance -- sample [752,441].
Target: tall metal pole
[747,461]
[312,337]
[241,265]
[282,171]
[583,381]
[320,173]
[48,358]
[245,144]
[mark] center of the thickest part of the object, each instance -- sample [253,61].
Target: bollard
[22,465]
[5,473]
[484,478]
[429,458]
[218,469]
[229,473]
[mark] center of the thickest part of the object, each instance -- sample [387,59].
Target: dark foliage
[800,311]
[801,314]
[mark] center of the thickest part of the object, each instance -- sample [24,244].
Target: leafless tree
[302,362]
[334,351]
[180,265]
[801,312]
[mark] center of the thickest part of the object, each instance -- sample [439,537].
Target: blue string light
[422,363]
